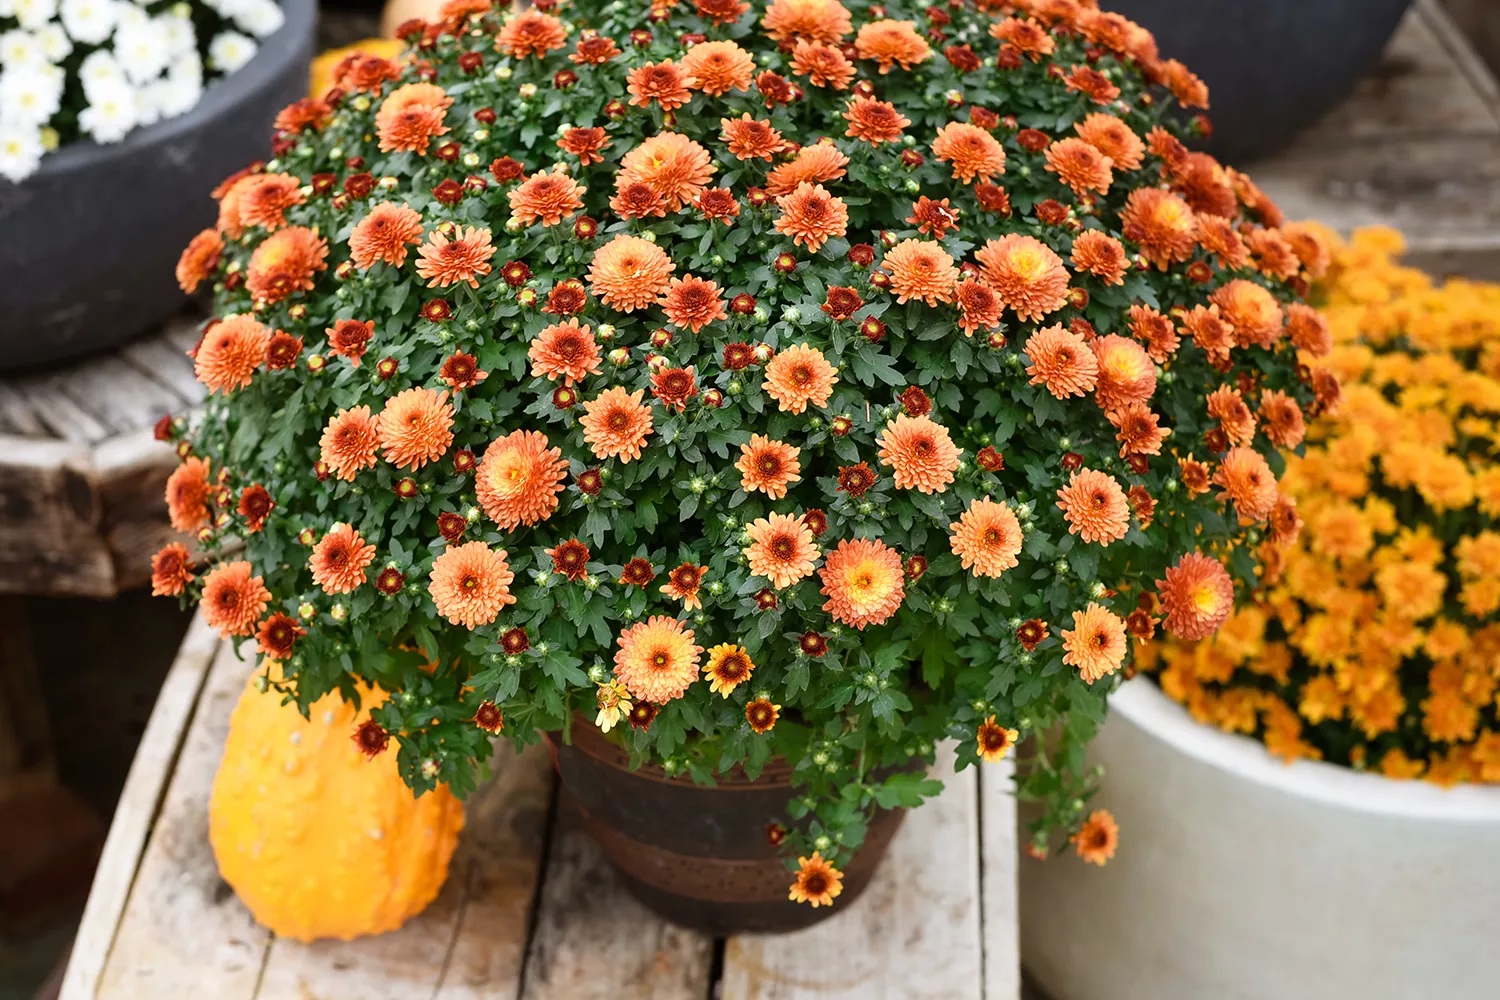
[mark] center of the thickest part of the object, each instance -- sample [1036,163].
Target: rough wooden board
[914,935]
[49,539]
[163,361]
[183,934]
[118,394]
[999,891]
[16,416]
[25,736]
[592,941]
[137,809]
[58,413]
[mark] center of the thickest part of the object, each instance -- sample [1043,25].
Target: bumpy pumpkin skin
[315,839]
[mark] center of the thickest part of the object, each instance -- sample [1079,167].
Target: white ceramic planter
[1241,878]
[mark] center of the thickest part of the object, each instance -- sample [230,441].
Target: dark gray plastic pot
[89,243]
[1272,67]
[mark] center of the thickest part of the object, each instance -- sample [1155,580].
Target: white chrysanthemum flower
[55,43]
[176,34]
[100,69]
[179,92]
[33,14]
[141,50]
[20,149]
[31,94]
[229,51]
[259,17]
[111,112]
[21,48]
[147,110]
[89,21]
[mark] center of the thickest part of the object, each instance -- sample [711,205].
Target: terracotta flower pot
[699,855]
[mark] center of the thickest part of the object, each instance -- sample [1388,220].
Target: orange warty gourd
[317,840]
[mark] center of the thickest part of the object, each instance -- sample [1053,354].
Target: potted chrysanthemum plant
[750,395]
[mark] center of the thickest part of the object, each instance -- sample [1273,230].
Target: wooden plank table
[531,911]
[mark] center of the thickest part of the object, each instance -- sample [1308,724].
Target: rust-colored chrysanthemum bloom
[1155,331]
[1025,273]
[683,584]
[933,218]
[199,260]
[823,65]
[637,573]
[350,338]
[663,82]
[1062,361]
[411,117]
[594,50]
[1284,523]
[692,303]
[727,668]
[1126,374]
[1094,507]
[921,270]
[864,582]
[1101,255]
[264,199]
[171,570]
[629,273]
[255,506]
[364,71]
[1024,36]
[519,478]
[1096,643]
[1244,477]
[813,164]
[979,306]
[567,298]
[716,68]
[973,152]
[811,216]
[1080,166]
[781,549]
[339,560]
[545,197]
[721,12]
[749,138]
[616,424]
[1161,224]
[1190,91]
[799,375]
[891,43]
[349,442]
[564,351]
[1196,596]
[1309,246]
[815,20]
[1228,407]
[463,257]
[1308,329]
[1209,330]
[1095,842]
[1112,137]
[415,427]
[277,636]
[717,204]
[385,234]
[570,558]
[1217,236]
[657,659]
[584,143]
[461,371]
[1139,430]
[992,741]
[919,452]
[531,33]
[818,883]
[286,262]
[233,598]
[228,193]
[230,352]
[674,387]
[986,538]
[874,121]
[1194,474]
[1091,83]
[1204,183]
[307,113]
[761,714]
[767,465]
[470,584]
[1253,312]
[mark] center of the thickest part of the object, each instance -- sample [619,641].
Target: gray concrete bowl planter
[89,242]
[1273,67]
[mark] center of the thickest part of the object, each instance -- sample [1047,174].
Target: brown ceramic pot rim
[588,740]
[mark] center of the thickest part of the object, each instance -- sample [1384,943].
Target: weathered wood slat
[915,934]
[162,361]
[998,888]
[16,415]
[58,412]
[121,397]
[49,518]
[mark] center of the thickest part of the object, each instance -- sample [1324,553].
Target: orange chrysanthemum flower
[1190,91]
[817,883]
[1094,507]
[1309,246]
[979,307]
[1025,273]
[1062,361]
[1112,137]
[813,164]
[629,273]
[781,549]
[384,235]
[727,668]
[1096,840]
[1244,477]
[674,166]
[411,117]
[594,50]
[921,270]
[518,479]
[470,584]
[863,581]
[919,452]
[171,570]
[974,153]
[749,139]
[657,659]
[548,197]
[1095,644]
[230,352]
[415,427]
[616,424]
[187,494]
[1080,166]
[1209,330]
[874,121]
[767,465]
[1126,374]
[692,303]
[339,560]
[1161,224]
[800,375]
[721,12]
[1218,236]
[716,68]
[1139,431]
[531,33]
[584,143]
[465,256]
[264,199]
[1227,406]
[564,351]
[349,442]
[992,741]
[286,262]
[1253,312]
[823,65]
[663,82]
[1308,329]
[1155,331]
[1101,255]
[1024,36]
[1196,597]
[683,584]
[233,599]
[986,538]
[890,43]
[811,216]
[1283,419]
[815,20]
[199,260]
